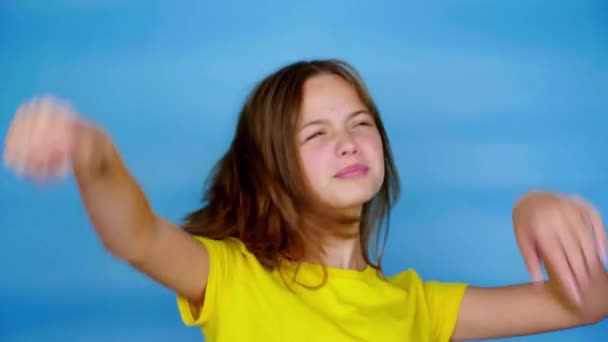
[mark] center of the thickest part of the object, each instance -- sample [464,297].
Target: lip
[352,171]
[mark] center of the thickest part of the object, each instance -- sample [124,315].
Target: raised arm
[526,309]
[47,139]
[568,236]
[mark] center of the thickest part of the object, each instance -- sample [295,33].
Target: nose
[347,146]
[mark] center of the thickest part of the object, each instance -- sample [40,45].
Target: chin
[349,195]
[352,199]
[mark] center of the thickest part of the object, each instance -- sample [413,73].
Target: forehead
[328,95]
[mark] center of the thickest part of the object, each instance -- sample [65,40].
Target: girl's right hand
[47,138]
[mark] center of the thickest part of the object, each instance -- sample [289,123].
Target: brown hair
[256,192]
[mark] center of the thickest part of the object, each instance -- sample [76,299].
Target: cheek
[314,163]
[374,148]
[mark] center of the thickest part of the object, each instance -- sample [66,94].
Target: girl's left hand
[568,236]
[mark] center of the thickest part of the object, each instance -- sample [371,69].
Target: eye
[364,123]
[314,135]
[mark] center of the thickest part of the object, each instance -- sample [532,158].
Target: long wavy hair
[256,193]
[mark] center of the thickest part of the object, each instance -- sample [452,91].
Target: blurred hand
[46,139]
[568,236]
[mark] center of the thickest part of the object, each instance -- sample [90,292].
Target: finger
[570,238]
[531,259]
[64,168]
[41,137]
[22,141]
[584,236]
[64,124]
[68,144]
[597,226]
[588,244]
[11,142]
[555,259]
[44,170]
[56,164]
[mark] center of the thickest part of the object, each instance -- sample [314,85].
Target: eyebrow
[321,121]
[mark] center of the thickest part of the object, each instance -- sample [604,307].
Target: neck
[346,254]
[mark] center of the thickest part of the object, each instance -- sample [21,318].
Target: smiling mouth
[352,171]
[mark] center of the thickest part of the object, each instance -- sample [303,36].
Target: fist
[42,140]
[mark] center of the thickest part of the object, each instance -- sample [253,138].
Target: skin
[568,236]
[47,140]
[336,131]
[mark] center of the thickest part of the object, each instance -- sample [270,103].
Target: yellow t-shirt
[245,302]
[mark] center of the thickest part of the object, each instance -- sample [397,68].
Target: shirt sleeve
[223,256]
[444,300]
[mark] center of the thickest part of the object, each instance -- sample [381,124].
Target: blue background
[483,100]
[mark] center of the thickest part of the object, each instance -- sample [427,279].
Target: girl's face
[340,148]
